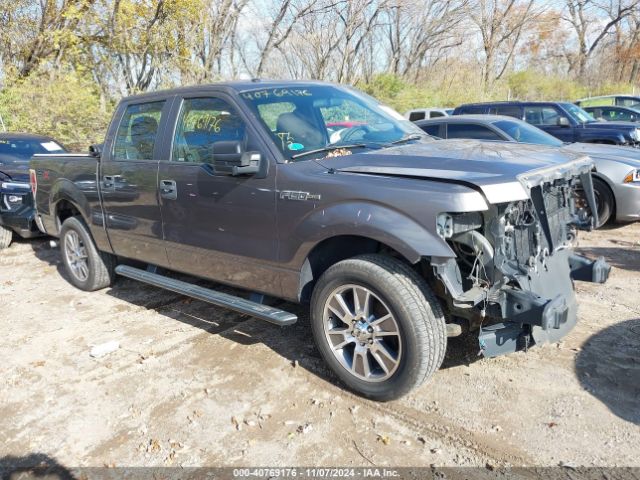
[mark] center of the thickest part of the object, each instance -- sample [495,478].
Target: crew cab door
[128,178]
[216,225]
[552,120]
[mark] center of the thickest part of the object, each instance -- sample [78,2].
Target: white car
[426,113]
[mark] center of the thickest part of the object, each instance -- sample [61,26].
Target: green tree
[62,104]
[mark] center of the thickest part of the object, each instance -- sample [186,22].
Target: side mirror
[95,150]
[563,122]
[230,159]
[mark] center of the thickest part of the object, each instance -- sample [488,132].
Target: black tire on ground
[6,235]
[604,200]
[99,266]
[417,315]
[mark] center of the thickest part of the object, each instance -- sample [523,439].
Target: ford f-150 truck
[395,240]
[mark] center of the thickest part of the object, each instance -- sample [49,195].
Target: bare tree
[585,16]
[500,24]
[214,35]
[417,33]
[285,18]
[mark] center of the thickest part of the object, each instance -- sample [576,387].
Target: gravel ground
[196,385]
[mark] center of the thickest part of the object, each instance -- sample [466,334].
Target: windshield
[525,133]
[317,119]
[578,114]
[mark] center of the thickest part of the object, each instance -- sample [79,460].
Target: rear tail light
[33,180]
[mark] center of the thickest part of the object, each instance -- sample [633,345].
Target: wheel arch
[349,229]
[66,201]
[334,249]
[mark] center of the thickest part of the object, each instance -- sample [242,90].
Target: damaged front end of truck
[512,278]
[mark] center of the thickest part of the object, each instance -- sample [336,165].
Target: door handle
[168,189]
[107,181]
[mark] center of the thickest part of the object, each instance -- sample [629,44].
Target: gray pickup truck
[395,240]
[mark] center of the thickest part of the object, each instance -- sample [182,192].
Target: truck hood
[503,172]
[627,155]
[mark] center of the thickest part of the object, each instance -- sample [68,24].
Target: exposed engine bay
[512,278]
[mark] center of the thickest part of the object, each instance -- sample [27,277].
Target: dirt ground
[196,385]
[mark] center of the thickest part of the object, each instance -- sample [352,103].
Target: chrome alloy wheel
[76,254]
[362,333]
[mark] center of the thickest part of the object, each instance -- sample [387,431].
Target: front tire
[604,201]
[87,268]
[378,326]
[6,235]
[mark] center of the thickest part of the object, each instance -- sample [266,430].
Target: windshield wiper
[407,138]
[328,148]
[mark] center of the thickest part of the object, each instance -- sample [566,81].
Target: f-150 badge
[291,195]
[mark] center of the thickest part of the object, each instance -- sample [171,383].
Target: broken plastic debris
[103,349]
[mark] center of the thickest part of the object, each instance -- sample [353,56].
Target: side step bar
[238,304]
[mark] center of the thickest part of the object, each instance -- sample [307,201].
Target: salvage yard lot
[196,385]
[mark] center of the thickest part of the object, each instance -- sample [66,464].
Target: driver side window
[202,122]
[542,115]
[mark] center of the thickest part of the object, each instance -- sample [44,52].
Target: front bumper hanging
[530,319]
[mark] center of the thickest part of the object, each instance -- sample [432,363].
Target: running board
[238,304]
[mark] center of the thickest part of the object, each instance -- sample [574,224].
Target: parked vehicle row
[317,194]
[563,120]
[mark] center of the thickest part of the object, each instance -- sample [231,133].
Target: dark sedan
[614,114]
[616,182]
[17,214]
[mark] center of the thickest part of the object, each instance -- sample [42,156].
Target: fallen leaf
[154,446]
[236,423]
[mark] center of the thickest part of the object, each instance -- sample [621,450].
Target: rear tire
[87,268]
[604,201]
[6,236]
[378,326]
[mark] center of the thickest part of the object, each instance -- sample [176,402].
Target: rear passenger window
[467,130]
[436,114]
[415,116]
[138,130]
[509,111]
[203,122]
